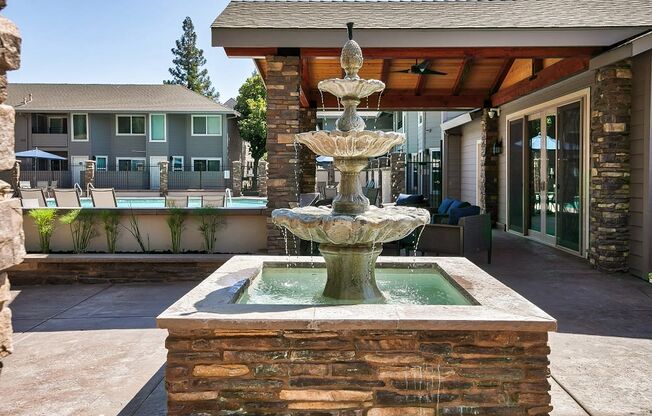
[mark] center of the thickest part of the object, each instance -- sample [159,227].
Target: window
[130,125]
[131,164]
[206,125]
[101,163]
[157,128]
[420,118]
[80,127]
[177,163]
[49,124]
[207,164]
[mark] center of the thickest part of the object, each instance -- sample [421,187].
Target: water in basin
[304,286]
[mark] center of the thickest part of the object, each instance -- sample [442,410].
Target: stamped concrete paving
[94,349]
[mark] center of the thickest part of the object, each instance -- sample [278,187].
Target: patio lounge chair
[471,236]
[371,194]
[176,201]
[67,198]
[213,201]
[29,203]
[330,192]
[103,197]
[25,184]
[35,194]
[306,200]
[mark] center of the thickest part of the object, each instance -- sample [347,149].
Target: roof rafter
[461,76]
[502,74]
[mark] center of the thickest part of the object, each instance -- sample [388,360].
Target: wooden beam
[502,74]
[475,52]
[305,79]
[461,75]
[408,101]
[421,84]
[261,68]
[547,76]
[249,52]
[384,73]
[537,66]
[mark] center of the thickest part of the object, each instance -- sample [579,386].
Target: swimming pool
[193,202]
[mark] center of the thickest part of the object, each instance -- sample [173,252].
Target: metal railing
[424,178]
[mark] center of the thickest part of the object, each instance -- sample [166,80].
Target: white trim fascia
[457,121]
[192,163]
[192,125]
[632,48]
[165,128]
[117,133]
[72,128]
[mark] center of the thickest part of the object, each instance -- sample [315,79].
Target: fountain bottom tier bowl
[465,344]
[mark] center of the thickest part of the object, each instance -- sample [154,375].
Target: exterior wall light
[497,147]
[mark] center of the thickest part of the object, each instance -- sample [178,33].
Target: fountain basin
[358,87]
[350,144]
[489,356]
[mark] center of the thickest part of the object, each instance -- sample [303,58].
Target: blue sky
[117,41]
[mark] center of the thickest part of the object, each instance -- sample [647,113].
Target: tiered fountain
[351,234]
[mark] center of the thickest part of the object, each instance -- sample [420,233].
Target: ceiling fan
[421,69]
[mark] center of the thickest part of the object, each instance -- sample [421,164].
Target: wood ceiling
[475,77]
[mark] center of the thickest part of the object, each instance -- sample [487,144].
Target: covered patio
[488,56]
[94,349]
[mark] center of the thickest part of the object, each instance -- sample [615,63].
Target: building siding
[471,133]
[452,165]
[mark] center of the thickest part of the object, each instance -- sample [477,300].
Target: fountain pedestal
[351,272]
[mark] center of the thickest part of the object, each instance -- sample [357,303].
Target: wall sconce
[493,112]
[497,147]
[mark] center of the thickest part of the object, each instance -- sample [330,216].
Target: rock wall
[489,168]
[12,239]
[357,372]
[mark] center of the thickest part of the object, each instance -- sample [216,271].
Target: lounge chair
[371,194]
[306,200]
[29,203]
[25,184]
[330,193]
[36,194]
[42,184]
[67,198]
[103,197]
[176,201]
[471,236]
[212,201]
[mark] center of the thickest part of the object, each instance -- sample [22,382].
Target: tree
[188,62]
[252,125]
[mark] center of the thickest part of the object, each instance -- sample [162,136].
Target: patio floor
[95,350]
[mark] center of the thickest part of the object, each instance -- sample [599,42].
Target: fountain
[351,234]
[418,336]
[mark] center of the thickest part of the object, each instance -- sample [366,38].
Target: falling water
[323,109]
[287,252]
[413,265]
[380,96]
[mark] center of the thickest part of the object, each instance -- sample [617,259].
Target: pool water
[193,202]
[304,286]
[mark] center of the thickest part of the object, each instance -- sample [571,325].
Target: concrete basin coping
[210,305]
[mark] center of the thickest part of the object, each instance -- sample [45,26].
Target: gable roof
[435,14]
[110,98]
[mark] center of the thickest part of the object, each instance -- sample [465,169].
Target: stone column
[489,166]
[283,122]
[397,166]
[610,167]
[307,159]
[89,173]
[164,177]
[262,178]
[236,178]
[12,240]
[15,176]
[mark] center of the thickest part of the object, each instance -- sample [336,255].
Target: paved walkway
[94,349]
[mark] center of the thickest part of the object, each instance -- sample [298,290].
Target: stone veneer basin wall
[375,360]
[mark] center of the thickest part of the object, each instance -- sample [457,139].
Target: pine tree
[188,61]
[252,125]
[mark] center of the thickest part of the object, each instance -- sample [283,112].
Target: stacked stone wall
[489,165]
[610,167]
[397,166]
[357,373]
[262,177]
[236,178]
[12,238]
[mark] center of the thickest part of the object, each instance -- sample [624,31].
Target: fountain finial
[351,58]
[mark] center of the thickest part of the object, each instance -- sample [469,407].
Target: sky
[116,41]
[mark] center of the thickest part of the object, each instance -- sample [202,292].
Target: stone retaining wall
[357,373]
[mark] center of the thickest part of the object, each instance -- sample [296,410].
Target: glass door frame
[583,97]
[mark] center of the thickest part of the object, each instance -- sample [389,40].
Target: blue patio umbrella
[324,159]
[38,154]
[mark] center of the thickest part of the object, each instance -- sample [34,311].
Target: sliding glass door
[515,175]
[569,186]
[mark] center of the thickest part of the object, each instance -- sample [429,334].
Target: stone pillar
[236,178]
[489,166]
[397,166]
[283,122]
[89,173]
[12,240]
[307,159]
[164,177]
[610,167]
[262,178]
[15,176]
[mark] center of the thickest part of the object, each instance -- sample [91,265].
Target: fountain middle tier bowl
[353,88]
[376,225]
[350,144]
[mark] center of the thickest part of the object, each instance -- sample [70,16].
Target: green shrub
[44,218]
[82,228]
[111,221]
[209,222]
[134,230]
[176,222]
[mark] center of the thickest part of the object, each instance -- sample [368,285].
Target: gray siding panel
[452,164]
[22,132]
[178,128]
[471,133]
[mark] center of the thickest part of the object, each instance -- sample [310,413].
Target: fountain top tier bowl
[351,88]
[350,144]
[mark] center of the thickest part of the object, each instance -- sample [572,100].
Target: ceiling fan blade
[404,71]
[432,72]
[423,65]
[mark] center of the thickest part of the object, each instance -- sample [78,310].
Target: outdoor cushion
[409,199]
[457,204]
[457,213]
[444,206]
